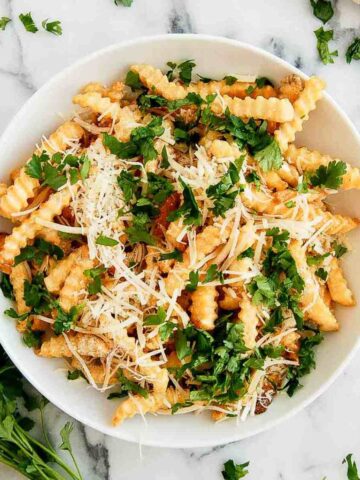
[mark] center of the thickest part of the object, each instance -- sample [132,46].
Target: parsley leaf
[321,273]
[28,22]
[230,80]
[353,51]
[127,386]
[329,176]
[193,281]
[323,39]
[213,273]
[339,249]
[74,375]
[3,22]
[185,71]
[165,158]
[6,286]
[156,319]
[352,471]
[128,184]
[158,187]
[10,312]
[52,27]
[263,81]
[269,158]
[233,471]
[322,10]
[316,259]
[175,254]
[38,251]
[65,320]
[306,362]
[273,351]
[248,253]
[181,345]
[31,339]
[137,234]
[106,241]
[95,274]
[224,198]
[141,141]
[189,208]
[133,81]
[262,290]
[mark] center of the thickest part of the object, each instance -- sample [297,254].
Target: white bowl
[328,130]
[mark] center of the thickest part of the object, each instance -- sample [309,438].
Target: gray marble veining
[311,445]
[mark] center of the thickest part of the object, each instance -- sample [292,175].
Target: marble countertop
[311,445]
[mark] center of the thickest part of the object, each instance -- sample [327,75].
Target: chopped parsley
[234,471]
[248,253]
[159,188]
[222,192]
[3,22]
[322,10]
[74,375]
[137,234]
[28,22]
[263,81]
[323,39]
[303,187]
[321,273]
[339,249]
[52,172]
[191,286]
[6,286]
[53,27]
[230,80]
[133,81]
[164,158]
[290,204]
[141,141]
[269,158]
[316,259]
[213,273]
[95,274]
[128,183]
[38,252]
[329,176]
[156,319]
[106,241]
[127,386]
[353,51]
[306,362]
[184,70]
[174,255]
[189,208]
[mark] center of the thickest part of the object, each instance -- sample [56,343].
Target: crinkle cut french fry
[18,275]
[273,109]
[204,307]
[84,344]
[337,284]
[136,404]
[316,309]
[17,195]
[29,228]
[304,104]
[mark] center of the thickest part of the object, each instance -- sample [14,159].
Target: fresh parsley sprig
[19,449]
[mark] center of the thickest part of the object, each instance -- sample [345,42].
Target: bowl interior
[328,130]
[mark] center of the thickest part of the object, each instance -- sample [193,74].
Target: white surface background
[311,445]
